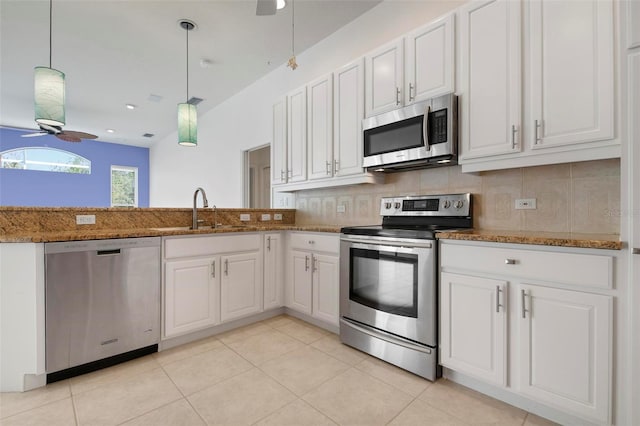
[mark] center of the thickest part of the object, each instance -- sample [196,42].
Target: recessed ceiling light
[110,131]
[130,106]
[154,98]
[280,4]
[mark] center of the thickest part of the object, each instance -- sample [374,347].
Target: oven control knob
[458,204]
[397,204]
[387,205]
[446,204]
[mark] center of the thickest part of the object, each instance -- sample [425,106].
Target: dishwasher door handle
[108,252]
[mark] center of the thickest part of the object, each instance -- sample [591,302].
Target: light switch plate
[341,208]
[277,216]
[245,217]
[265,217]
[526,204]
[85,219]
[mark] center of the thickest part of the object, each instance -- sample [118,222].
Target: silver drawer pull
[510,261]
[311,242]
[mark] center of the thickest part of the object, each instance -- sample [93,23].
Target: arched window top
[44,159]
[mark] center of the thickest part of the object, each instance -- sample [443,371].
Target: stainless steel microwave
[424,134]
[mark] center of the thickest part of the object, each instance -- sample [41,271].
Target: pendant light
[292,60]
[187,113]
[49,89]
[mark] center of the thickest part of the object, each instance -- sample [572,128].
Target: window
[124,186]
[44,159]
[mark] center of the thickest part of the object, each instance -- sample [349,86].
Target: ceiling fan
[65,135]
[269,7]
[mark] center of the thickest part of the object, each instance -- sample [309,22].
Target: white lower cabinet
[547,340]
[191,295]
[209,280]
[313,276]
[473,324]
[241,285]
[273,271]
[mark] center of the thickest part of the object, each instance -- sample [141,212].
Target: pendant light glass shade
[187,125]
[49,96]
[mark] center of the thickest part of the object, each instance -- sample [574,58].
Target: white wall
[244,121]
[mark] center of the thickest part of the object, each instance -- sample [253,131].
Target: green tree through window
[124,186]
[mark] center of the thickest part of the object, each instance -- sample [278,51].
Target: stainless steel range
[388,280]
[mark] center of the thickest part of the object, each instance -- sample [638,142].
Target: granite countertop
[559,239]
[102,234]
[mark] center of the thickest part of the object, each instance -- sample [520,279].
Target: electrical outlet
[277,216]
[265,217]
[245,217]
[526,204]
[85,219]
[341,208]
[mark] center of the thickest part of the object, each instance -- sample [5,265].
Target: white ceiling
[119,52]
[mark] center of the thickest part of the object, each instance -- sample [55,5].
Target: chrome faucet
[194,216]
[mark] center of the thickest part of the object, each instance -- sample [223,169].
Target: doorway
[257,177]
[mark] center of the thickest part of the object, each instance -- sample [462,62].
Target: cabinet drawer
[587,270]
[202,246]
[316,242]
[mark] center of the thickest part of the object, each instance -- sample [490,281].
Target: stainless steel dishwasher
[102,303]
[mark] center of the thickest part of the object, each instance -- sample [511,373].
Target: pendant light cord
[293,32]
[50,29]
[187,63]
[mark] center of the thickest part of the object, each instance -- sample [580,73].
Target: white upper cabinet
[489,83]
[560,106]
[384,78]
[320,127]
[571,69]
[348,112]
[297,135]
[633,28]
[279,143]
[429,60]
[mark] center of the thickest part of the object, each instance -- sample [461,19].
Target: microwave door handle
[425,128]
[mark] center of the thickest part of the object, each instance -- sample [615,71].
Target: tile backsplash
[578,197]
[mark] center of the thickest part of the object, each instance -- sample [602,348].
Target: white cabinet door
[279,143]
[632,13]
[384,78]
[473,324]
[298,291]
[320,127]
[348,97]
[490,78]
[241,285]
[429,65]
[571,69]
[191,295]
[297,135]
[273,271]
[565,349]
[325,287]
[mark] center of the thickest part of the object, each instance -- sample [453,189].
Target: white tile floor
[281,371]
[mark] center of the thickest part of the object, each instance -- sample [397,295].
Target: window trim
[25,160]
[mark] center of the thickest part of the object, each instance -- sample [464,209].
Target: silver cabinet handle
[537,124]
[510,261]
[306,263]
[328,167]
[269,243]
[336,163]
[213,269]
[226,266]
[289,173]
[636,251]
[314,263]
[498,305]
[523,296]
[397,96]
[411,97]
[281,174]
[513,136]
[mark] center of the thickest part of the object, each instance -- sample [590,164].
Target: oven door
[390,284]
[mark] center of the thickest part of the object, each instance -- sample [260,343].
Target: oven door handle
[385,336]
[379,243]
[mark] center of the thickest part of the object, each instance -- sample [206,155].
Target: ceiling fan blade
[80,135]
[265,7]
[33,135]
[68,138]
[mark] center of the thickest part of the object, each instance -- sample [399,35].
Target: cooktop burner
[419,217]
